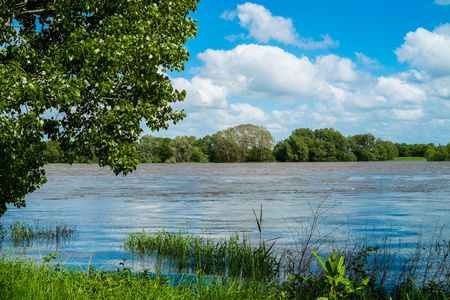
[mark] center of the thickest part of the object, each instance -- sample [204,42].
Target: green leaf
[75,70]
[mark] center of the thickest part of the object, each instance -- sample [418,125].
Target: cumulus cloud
[409,115]
[266,72]
[234,114]
[246,112]
[440,87]
[399,92]
[427,50]
[264,27]
[336,69]
[268,86]
[202,92]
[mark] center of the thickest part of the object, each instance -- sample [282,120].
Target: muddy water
[399,198]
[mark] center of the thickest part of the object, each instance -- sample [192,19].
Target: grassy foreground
[24,279]
[29,280]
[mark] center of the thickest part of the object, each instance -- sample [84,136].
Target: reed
[393,270]
[21,231]
[232,257]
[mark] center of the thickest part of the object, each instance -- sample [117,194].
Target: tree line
[251,143]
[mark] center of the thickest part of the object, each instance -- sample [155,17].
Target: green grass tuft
[233,257]
[20,231]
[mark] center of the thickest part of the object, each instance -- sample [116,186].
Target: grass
[231,257]
[21,231]
[30,280]
[26,279]
[411,158]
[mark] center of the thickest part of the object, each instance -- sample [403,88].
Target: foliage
[232,257]
[44,281]
[293,149]
[153,149]
[385,150]
[414,150]
[363,146]
[440,153]
[235,144]
[302,145]
[330,285]
[85,73]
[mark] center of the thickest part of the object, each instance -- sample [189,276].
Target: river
[402,199]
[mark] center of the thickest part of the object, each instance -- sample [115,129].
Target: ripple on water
[398,198]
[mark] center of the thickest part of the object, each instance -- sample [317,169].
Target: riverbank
[409,159]
[24,279]
[29,280]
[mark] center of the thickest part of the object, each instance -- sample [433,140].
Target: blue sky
[380,67]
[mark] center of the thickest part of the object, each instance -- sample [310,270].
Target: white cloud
[336,69]
[324,120]
[408,115]
[440,87]
[232,115]
[265,72]
[268,86]
[442,2]
[245,112]
[202,92]
[427,50]
[264,27]
[288,117]
[398,92]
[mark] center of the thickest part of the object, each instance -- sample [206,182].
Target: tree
[236,144]
[298,149]
[199,150]
[52,152]
[403,149]
[85,73]
[419,150]
[292,149]
[180,149]
[439,153]
[161,149]
[145,149]
[386,150]
[222,147]
[362,146]
[324,144]
[334,143]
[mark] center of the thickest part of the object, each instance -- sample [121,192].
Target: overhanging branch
[24,11]
[33,11]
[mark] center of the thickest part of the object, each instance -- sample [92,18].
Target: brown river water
[402,199]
